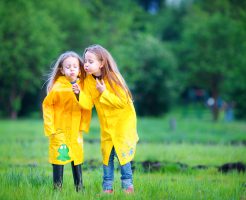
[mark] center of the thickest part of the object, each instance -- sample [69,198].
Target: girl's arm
[86,104]
[110,99]
[84,97]
[85,100]
[48,114]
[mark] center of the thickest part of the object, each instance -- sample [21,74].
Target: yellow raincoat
[64,121]
[117,119]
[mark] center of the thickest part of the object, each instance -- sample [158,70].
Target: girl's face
[92,65]
[70,68]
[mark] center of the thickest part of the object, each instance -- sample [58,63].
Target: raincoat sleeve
[48,114]
[110,99]
[85,100]
[85,120]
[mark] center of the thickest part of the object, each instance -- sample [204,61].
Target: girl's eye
[68,67]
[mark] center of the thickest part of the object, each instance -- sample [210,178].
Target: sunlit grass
[191,130]
[30,183]
[26,174]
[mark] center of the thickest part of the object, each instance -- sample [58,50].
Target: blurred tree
[149,68]
[146,64]
[73,20]
[167,24]
[236,90]
[210,49]
[235,87]
[113,21]
[146,37]
[29,40]
[151,6]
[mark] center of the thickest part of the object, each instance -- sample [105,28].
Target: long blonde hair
[109,70]
[56,69]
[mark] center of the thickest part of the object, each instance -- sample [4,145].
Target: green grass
[26,174]
[189,130]
[192,155]
[35,183]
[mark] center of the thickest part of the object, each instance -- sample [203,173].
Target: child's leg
[77,176]
[57,176]
[108,172]
[126,176]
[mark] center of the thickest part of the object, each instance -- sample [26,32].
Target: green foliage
[213,37]
[113,21]
[235,86]
[26,49]
[73,21]
[198,44]
[167,24]
[148,64]
[211,42]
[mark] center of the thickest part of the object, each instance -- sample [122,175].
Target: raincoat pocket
[58,138]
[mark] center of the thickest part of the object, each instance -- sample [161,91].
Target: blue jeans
[108,173]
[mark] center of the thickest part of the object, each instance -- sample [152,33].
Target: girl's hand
[76,88]
[100,85]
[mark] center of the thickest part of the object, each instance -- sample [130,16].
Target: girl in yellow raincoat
[64,119]
[105,88]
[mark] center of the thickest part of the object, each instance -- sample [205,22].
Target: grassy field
[35,183]
[26,174]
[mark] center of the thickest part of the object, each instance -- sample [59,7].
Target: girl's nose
[86,67]
[73,68]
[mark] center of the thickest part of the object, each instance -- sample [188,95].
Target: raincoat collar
[63,80]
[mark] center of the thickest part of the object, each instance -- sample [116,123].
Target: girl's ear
[101,65]
[61,69]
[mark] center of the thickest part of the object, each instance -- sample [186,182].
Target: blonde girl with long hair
[64,119]
[105,88]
